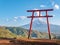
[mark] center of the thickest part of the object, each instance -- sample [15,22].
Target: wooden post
[30,26]
[48,26]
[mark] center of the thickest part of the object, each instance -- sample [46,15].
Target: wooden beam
[39,10]
[38,16]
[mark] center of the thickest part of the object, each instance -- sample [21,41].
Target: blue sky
[14,12]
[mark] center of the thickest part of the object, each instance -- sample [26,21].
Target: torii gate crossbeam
[47,16]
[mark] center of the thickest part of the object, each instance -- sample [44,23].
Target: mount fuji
[42,27]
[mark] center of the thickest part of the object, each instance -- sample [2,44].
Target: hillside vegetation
[18,32]
[6,33]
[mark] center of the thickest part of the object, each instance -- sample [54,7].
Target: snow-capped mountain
[42,27]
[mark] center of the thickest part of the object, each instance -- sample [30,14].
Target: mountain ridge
[42,27]
[21,32]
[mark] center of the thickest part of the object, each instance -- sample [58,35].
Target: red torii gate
[47,16]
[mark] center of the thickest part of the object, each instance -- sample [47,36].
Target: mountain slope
[24,33]
[6,33]
[18,32]
[42,27]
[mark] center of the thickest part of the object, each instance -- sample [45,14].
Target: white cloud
[42,6]
[16,17]
[36,9]
[40,19]
[19,17]
[40,15]
[56,6]
[37,14]
[22,17]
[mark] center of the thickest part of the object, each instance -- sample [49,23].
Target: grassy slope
[24,33]
[19,32]
[6,33]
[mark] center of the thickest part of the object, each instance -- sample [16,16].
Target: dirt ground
[22,41]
